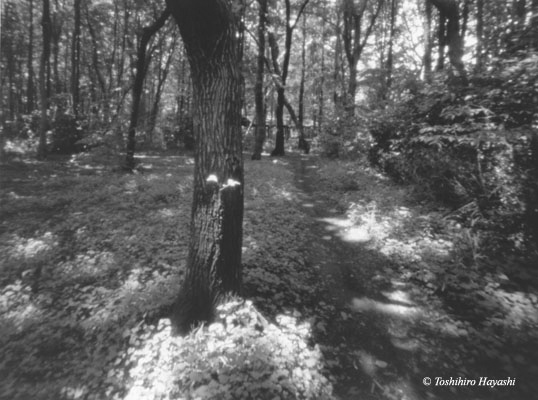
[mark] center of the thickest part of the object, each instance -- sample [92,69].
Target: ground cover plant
[352,289]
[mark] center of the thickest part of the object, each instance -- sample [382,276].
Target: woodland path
[390,329]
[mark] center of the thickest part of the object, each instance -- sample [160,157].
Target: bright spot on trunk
[212,178]
[232,183]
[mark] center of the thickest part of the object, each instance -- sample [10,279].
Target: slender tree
[259,133]
[355,38]
[282,72]
[210,32]
[141,68]
[479,35]
[44,79]
[450,22]
[30,88]
[75,59]
[428,46]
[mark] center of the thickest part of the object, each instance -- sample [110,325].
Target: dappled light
[241,355]
[393,310]
[269,200]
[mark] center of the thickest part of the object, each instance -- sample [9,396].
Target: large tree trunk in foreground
[210,33]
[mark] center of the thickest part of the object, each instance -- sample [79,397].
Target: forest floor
[355,289]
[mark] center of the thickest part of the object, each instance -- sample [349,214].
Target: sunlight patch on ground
[241,355]
[398,296]
[16,309]
[29,248]
[395,310]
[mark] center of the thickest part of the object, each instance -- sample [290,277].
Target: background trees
[440,92]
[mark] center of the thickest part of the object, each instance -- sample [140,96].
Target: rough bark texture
[209,30]
[259,135]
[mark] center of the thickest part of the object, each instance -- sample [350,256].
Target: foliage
[239,356]
[65,133]
[468,147]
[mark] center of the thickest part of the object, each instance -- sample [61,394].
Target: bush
[469,145]
[66,132]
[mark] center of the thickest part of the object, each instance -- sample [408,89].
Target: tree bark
[283,73]
[303,144]
[209,29]
[448,9]
[428,43]
[390,56]
[30,91]
[534,25]
[354,39]
[479,35]
[141,68]
[75,60]
[44,74]
[259,134]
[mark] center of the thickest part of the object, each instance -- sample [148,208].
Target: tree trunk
[259,135]
[30,91]
[321,95]
[162,75]
[534,25]
[390,56]
[354,39]
[448,10]
[303,144]
[141,67]
[75,60]
[44,74]
[210,34]
[428,43]
[479,36]
[283,73]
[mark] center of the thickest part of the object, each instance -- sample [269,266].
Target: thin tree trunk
[259,133]
[56,35]
[390,56]
[141,67]
[75,60]
[479,35]
[161,80]
[303,144]
[428,43]
[354,40]
[283,73]
[448,10]
[534,25]
[321,96]
[43,79]
[30,91]
[210,35]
